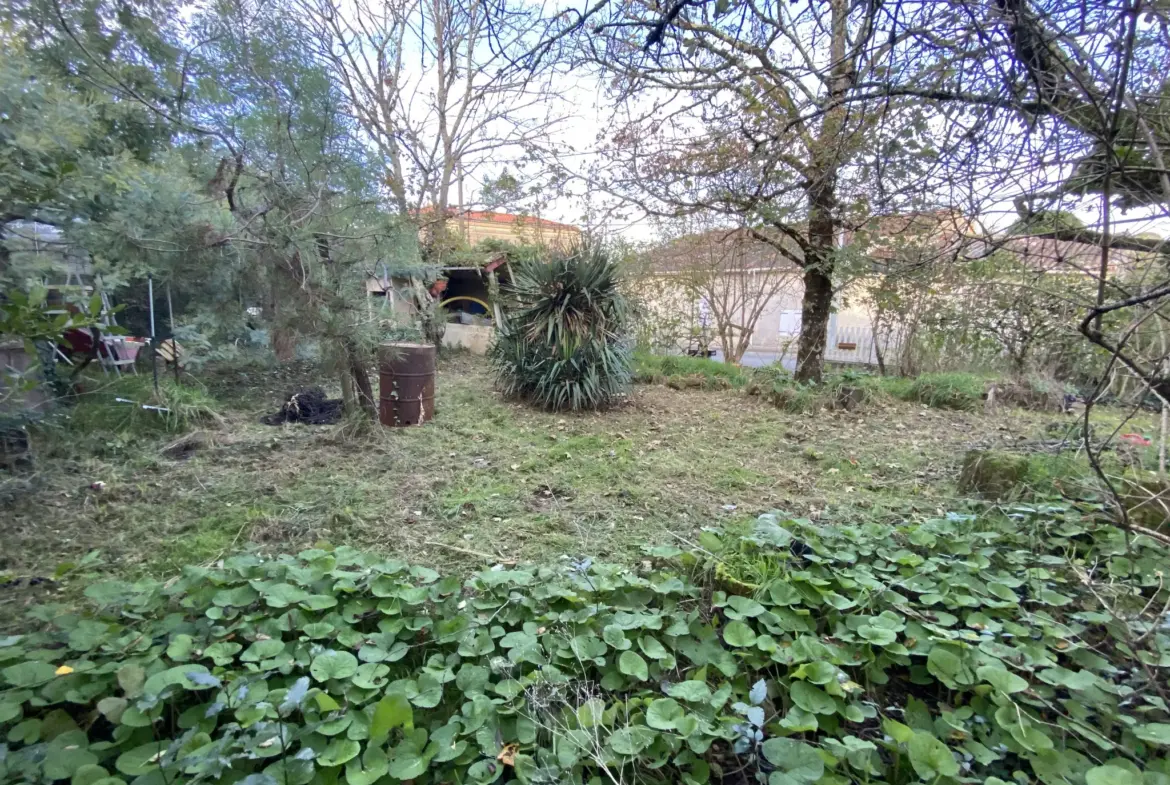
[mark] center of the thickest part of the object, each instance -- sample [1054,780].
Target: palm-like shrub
[565,343]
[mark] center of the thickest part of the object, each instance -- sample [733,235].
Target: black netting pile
[307,405]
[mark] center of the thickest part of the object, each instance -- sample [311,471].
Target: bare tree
[756,111]
[430,85]
[735,277]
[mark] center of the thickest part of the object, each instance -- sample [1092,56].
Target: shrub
[565,344]
[681,371]
[951,650]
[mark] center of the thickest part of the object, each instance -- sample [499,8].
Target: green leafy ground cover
[1026,647]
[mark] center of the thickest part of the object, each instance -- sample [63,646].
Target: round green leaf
[407,764]
[795,759]
[262,650]
[690,690]
[333,665]
[738,634]
[1111,775]
[484,771]
[88,774]
[369,768]
[1001,678]
[812,699]
[339,751]
[632,664]
[931,758]
[141,759]
[1154,733]
[29,674]
[631,740]
[663,713]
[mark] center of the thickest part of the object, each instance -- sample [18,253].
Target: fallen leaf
[507,755]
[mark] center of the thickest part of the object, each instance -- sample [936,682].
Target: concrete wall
[473,338]
[778,327]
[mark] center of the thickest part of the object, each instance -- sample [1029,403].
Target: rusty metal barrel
[406,382]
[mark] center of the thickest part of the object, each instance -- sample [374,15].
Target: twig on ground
[468,552]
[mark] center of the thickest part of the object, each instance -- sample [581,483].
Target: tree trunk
[826,156]
[815,309]
[363,390]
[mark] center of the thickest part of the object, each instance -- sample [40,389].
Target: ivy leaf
[368,769]
[485,771]
[222,652]
[1111,775]
[112,707]
[1154,733]
[131,678]
[931,758]
[89,774]
[407,764]
[203,680]
[758,692]
[29,674]
[631,740]
[393,711]
[338,752]
[819,672]
[319,602]
[295,696]
[947,667]
[1001,678]
[333,665]
[878,636]
[632,664]
[795,761]
[180,648]
[262,650]
[738,634]
[652,648]
[663,713]
[742,608]
[690,690]
[282,595]
[812,699]
[142,759]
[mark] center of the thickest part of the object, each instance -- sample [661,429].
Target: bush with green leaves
[961,649]
[565,343]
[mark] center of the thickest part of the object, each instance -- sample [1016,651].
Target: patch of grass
[961,391]
[488,476]
[118,416]
[681,371]
[1005,476]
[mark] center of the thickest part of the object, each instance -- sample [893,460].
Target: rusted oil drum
[406,383]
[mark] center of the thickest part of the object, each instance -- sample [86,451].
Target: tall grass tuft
[962,391]
[179,407]
[565,343]
[682,371]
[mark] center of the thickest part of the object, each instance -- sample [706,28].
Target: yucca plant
[565,344]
